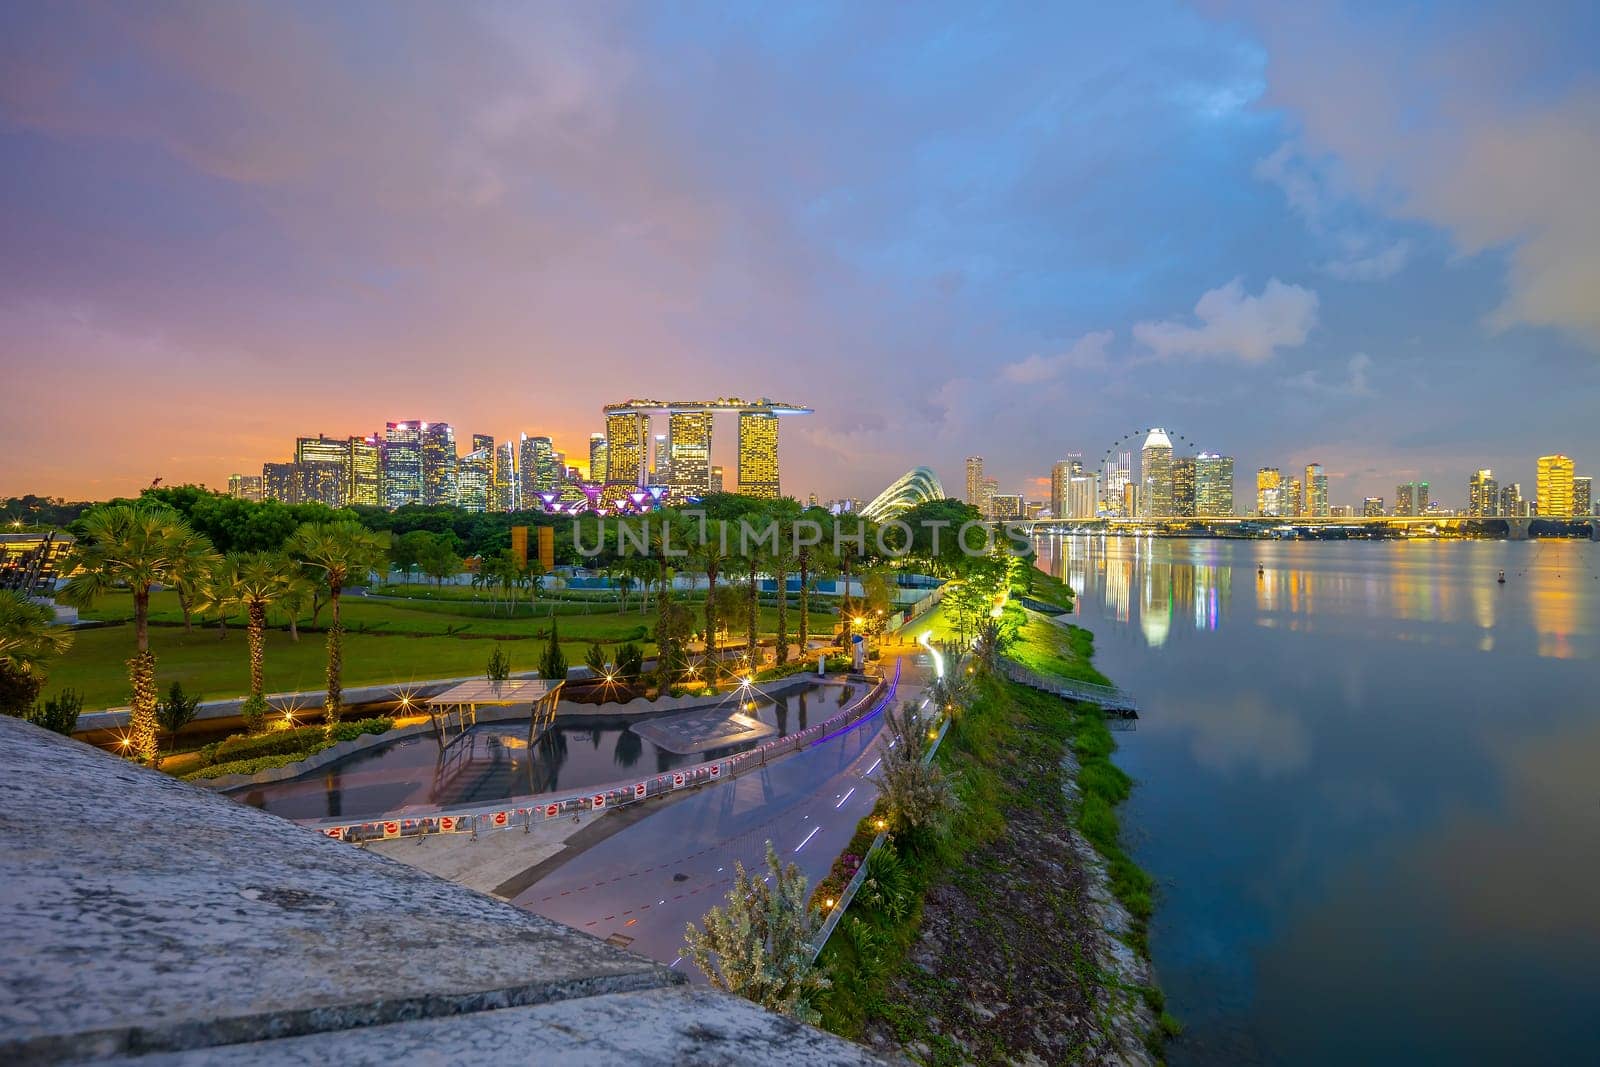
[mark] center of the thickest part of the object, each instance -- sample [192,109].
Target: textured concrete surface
[489,862]
[143,914]
[661,1026]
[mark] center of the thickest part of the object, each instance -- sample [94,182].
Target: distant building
[245,487]
[597,458]
[1035,509]
[1315,489]
[363,475]
[1118,474]
[1183,486]
[438,463]
[281,482]
[1060,479]
[1341,511]
[475,476]
[402,463]
[1554,485]
[986,494]
[1155,475]
[1083,496]
[1483,494]
[689,453]
[1411,499]
[1006,506]
[507,483]
[323,463]
[1213,480]
[1269,492]
[660,461]
[1372,507]
[716,480]
[1512,506]
[536,466]
[758,454]
[1583,496]
[1290,497]
[975,481]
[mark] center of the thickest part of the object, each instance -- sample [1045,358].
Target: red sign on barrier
[552,810]
[598,800]
[677,779]
[501,818]
[335,832]
[447,824]
[391,829]
[716,770]
[639,791]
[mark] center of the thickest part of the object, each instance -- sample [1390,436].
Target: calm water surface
[1369,785]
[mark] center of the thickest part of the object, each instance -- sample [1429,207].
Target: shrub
[499,667]
[254,712]
[595,659]
[58,713]
[630,662]
[913,790]
[554,664]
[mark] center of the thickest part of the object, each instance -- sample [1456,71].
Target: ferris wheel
[1129,442]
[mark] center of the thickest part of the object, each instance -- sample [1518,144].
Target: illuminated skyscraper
[1269,492]
[689,453]
[245,487]
[660,461]
[363,477]
[475,475]
[438,463]
[1315,489]
[322,463]
[1060,487]
[1372,507]
[1555,486]
[986,495]
[975,481]
[716,480]
[281,482]
[1512,506]
[1118,474]
[627,453]
[402,463]
[1183,486]
[1483,494]
[597,458]
[1155,475]
[1583,496]
[1411,499]
[1289,497]
[508,487]
[1213,485]
[536,462]
[1083,496]
[758,454]
[1006,506]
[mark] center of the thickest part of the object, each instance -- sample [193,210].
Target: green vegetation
[58,713]
[28,643]
[278,748]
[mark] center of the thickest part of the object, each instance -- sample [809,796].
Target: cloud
[1087,353]
[1234,323]
[1313,193]
[1374,266]
[1486,126]
[1354,383]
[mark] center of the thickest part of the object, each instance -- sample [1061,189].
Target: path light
[880,824]
[828,903]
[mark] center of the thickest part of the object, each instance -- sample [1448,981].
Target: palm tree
[342,551]
[255,581]
[711,553]
[783,513]
[139,547]
[28,640]
[192,568]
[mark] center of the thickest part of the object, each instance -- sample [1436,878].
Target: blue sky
[1362,235]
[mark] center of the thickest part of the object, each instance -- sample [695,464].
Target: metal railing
[1108,697]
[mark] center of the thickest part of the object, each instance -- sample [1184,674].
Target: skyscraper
[1213,481]
[1512,505]
[281,482]
[716,479]
[245,487]
[322,463]
[597,458]
[975,481]
[1583,496]
[1411,499]
[1183,486]
[363,477]
[475,475]
[1315,489]
[1372,507]
[1289,498]
[508,486]
[1006,506]
[986,495]
[758,454]
[627,451]
[1483,494]
[438,463]
[1060,485]
[1269,492]
[1083,496]
[689,453]
[402,463]
[660,461]
[1555,485]
[1155,474]
[1118,470]
[536,464]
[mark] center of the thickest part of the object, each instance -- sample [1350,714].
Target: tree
[911,787]
[711,553]
[499,667]
[554,664]
[758,945]
[137,547]
[177,711]
[630,662]
[29,640]
[439,560]
[672,629]
[255,581]
[343,552]
[783,514]
[193,565]
[595,659]
[59,713]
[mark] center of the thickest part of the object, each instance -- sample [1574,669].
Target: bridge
[1116,703]
[1514,529]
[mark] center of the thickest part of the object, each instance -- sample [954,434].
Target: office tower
[1372,507]
[1583,496]
[1269,492]
[758,454]
[281,482]
[540,469]
[689,454]
[1083,496]
[1006,506]
[439,463]
[508,486]
[1512,506]
[627,449]
[1130,498]
[1118,470]
[986,494]
[1315,488]
[1155,475]
[1411,499]
[1213,485]
[716,480]
[1483,494]
[245,487]
[363,472]
[402,463]
[1289,498]
[661,461]
[1554,486]
[475,476]
[975,481]
[597,458]
[1183,486]
[1060,482]
[1341,511]
[323,462]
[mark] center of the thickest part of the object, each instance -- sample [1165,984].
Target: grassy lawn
[1049,649]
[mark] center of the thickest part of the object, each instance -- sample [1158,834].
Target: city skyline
[1054,219]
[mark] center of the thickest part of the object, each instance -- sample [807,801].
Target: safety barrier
[524,812]
[1108,697]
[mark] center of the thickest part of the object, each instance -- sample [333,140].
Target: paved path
[649,881]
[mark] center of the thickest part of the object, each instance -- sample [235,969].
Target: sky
[1363,235]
